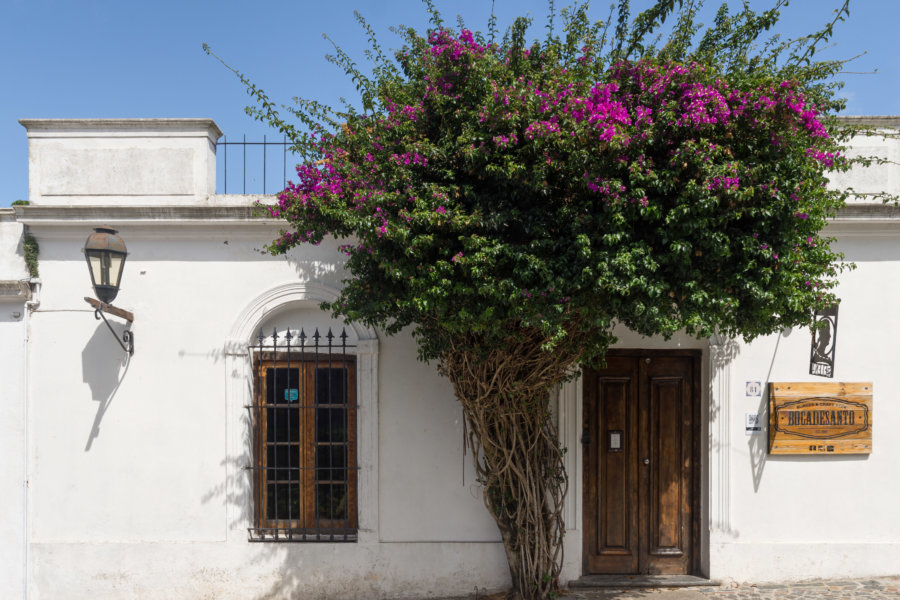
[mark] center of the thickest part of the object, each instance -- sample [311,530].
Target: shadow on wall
[723,353]
[316,267]
[758,445]
[104,366]
[237,491]
[283,563]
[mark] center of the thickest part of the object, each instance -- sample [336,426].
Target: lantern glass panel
[114,270]
[95,260]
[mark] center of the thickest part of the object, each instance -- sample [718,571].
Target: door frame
[696,357]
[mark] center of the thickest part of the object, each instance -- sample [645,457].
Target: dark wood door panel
[669,497]
[665,466]
[613,541]
[640,498]
[616,476]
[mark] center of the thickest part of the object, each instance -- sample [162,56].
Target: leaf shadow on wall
[758,445]
[284,562]
[104,366]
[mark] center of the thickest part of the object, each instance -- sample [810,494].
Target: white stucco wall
[135,465]
[14,292]
[821,516]
[140,449]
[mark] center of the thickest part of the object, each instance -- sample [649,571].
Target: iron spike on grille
[330,337]
[274,338]
[302,337]
[288,337]
[261,336]
[316,337]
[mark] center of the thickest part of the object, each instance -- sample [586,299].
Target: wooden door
[641,464]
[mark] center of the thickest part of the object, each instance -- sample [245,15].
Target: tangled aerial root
[518,458]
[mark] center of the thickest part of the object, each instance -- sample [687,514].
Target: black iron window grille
[303,424]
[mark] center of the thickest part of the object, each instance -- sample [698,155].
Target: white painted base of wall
[767,562]
[167,571]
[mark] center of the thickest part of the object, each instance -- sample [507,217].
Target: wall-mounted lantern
[105,253]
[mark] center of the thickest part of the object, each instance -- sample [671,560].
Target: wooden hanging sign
[820,418]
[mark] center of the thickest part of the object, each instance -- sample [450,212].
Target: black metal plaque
[824,341]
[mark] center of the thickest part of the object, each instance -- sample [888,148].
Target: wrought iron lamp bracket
[127,341]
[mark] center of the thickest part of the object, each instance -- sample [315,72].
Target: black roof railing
[251,167]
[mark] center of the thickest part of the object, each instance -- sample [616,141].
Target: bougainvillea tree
[510,203]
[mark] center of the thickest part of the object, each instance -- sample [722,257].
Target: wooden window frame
[307,526]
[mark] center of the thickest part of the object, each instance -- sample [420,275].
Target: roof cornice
[120,127]
[873,120]
[192,215]
[857,218]
[149,221]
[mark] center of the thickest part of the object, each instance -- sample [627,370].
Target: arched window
[305,422]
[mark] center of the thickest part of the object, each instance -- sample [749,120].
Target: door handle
[646,461]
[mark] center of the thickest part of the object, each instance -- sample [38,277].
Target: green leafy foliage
[596,177]
[513,201]
[32,250]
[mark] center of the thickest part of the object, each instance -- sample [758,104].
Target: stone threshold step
[639,581]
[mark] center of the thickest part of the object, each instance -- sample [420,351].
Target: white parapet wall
[114,161]
[876,178]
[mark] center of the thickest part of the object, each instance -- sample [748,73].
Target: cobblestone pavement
[853,589]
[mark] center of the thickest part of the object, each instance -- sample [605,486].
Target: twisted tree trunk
[518,458]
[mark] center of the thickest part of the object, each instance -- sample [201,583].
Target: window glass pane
[283,424]
[331,463]
[282,385]
[331,501]
[283,501]
[331,385]
[331,425]
[283,400]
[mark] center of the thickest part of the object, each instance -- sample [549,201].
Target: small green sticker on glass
[291,395]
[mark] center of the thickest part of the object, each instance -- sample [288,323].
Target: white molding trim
[210,215]
[179,222]
[721,352]
[874,120]
[294,294]
[569,424]
[239,394]
[15,290]
[166,127]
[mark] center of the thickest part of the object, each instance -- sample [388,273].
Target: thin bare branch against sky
[107,58]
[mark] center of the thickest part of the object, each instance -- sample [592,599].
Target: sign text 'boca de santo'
[820,418]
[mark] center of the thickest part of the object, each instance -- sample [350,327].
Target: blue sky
[120,58]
